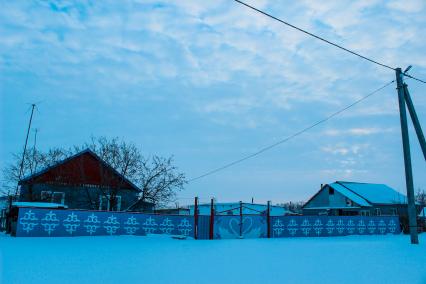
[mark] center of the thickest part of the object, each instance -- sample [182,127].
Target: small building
[83,181]
[343,198]
[233,208]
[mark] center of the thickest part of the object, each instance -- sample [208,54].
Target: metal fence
[33,222]
[36,222]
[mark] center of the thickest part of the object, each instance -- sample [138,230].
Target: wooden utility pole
[196,218]
[412,216]
[25,149]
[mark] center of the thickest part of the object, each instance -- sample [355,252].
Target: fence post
[211,219]
[196,218]
[241,219]
[268,219]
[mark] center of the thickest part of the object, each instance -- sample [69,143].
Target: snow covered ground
[160,259]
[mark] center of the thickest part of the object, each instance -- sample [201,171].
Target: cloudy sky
[211,82]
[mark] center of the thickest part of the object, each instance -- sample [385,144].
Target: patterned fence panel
[34,222]
[326,226]
[203,227]
[228,227]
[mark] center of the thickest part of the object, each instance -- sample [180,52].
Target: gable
[322,199]
[84,168]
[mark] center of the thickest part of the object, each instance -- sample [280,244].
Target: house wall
[384,210]
[76,197]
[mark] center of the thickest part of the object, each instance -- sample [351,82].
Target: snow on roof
[373,193]
[349,194]
[39,204]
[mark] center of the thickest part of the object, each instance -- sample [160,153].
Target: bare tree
[421,197]
[157,177]
[159,180]
[34,160]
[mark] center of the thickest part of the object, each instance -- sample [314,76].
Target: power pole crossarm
[412,221]
[415,120]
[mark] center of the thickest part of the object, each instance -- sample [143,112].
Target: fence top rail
[104,211]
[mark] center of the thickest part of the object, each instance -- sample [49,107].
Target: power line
[414,78]
[291,136]
[324,40]
[313,35]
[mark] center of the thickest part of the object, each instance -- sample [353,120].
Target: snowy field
[160,259]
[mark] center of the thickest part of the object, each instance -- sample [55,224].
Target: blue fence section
[57,223]
[35,222]
[326,226]
[231,227]
[203,229]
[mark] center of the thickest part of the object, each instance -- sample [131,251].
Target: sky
[210,82]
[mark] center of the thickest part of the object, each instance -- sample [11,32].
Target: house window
[378,212]
[330,190]
[365,213]
[349,202]
[58,197]
[105,204]
[394,211]
[46,196]
[117,206]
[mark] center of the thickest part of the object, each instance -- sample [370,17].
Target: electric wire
[414,78]
[313,35]
[324,40]
[291,136]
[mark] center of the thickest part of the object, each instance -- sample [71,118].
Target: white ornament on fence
[318,227]
[382,227]
[50,222]
[91,224]
[361,226]
[292,227]
[350,227]
[306,227]
[371,226]
[131,225]
[149,226]
[330,227]
[392,226]
[167,226]
[71,223]
[29,221]
[184,227]
[278,227]
[111,225]
[340,226]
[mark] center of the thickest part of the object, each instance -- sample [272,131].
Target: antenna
[34,151]
[25,148]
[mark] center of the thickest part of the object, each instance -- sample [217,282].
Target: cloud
[264,66]
[366,131]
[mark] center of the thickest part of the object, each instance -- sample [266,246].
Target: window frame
[62,196]
[48,198]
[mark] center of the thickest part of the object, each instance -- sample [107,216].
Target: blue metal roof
[373,193]
[349,194]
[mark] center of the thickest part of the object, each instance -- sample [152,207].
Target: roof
[373,193]
[47,174]
[349,194]
[364,194]
[39,204]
